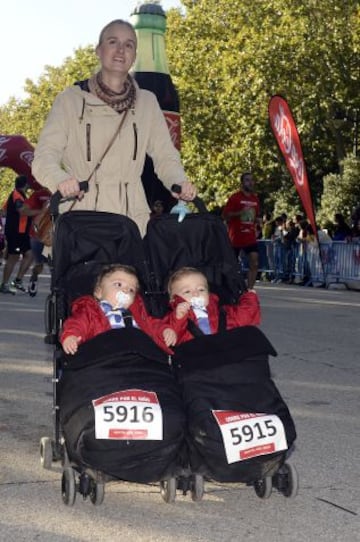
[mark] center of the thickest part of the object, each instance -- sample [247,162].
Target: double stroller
[124,410]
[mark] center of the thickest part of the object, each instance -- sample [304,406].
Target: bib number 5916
[128,415]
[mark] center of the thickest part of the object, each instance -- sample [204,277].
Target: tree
[227,59]
[341,192]
[27,116]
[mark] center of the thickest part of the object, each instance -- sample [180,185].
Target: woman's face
[117,50]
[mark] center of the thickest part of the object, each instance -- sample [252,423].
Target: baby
[190,300]
[116,303]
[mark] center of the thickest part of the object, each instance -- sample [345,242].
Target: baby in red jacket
[116,303]
[190,299]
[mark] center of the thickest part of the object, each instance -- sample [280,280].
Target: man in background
[33,206]
[17,229]
[241,213]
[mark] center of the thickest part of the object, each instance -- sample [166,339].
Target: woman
[82,123]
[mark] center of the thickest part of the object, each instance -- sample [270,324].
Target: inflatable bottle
[152,73]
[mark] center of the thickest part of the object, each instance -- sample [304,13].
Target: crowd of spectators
[286,241]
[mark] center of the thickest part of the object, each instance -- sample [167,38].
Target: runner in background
[241,213]
[17,229]
[32,207]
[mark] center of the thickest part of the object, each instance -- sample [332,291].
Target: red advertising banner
[287,137]
[17,153]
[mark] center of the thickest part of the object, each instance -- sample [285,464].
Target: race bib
[248,435]
[128,415]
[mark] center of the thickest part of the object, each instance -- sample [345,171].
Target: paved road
[316,333]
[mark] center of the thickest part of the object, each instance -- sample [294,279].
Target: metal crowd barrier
[303,262]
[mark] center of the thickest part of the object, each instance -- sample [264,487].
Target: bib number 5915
[249,432]
[246,435]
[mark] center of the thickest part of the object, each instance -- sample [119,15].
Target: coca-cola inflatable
[152,73]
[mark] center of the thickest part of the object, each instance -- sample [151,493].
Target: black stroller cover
[225,378]
[120,408]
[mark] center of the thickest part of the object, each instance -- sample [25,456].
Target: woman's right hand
[70,188]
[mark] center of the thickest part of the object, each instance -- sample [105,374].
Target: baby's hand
[169,337]
[70,344]
[182,309]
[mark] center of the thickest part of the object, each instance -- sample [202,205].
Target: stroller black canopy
[87,240]
[200,241]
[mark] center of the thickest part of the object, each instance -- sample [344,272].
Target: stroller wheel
[97,492]
[68,486]
[49,315]
[287,480]
[263,487]
[197,487]
[46,452]
[168,489]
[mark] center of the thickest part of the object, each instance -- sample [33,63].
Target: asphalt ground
[316,334]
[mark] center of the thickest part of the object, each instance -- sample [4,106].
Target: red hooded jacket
[88,320]
[245,313]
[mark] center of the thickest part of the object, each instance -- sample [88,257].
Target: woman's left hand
[188,192]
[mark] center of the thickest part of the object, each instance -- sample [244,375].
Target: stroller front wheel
[168,489]
[97,492]
[287,480]
[197,487]
[68,486]
[263,487]
[46,452]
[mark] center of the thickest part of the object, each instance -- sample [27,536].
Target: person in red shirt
[32,207]
[241,213]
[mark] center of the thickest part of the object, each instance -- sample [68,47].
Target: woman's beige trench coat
[75,135]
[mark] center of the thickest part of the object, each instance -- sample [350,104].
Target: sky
[36,33]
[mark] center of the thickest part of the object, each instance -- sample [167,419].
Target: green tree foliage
[229,58]
[27,116]
[341,192]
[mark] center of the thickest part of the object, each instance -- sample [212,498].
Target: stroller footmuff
[239,428]
[120,408]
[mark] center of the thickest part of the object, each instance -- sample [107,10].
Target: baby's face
[118,281]
[191,286]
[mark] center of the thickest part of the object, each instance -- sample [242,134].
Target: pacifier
[123,300]
[198,302]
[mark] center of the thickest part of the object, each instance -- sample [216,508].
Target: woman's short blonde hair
[116,21]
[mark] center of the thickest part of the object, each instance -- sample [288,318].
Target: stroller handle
[198,202]
[57,197]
